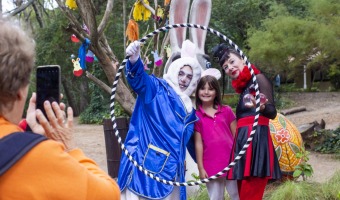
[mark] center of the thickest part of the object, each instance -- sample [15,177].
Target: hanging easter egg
[72,56]
[158,60]
[95,58]
[89,56]
[77,70]
[287,142]
[74,38]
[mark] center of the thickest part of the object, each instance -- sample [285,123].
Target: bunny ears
[188,49]
[212,72]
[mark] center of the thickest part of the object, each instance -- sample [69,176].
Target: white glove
[133,50]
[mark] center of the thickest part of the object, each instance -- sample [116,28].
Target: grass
[293,190]
[331,189]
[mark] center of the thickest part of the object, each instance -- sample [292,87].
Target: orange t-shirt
[48,172]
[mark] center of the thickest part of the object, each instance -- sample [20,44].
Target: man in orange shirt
[33,166]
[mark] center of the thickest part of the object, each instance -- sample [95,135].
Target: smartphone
[47,85]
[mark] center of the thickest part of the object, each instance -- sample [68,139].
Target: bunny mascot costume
[160,127]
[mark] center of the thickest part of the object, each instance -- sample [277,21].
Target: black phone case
[47,85]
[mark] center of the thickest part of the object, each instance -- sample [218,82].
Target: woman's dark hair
[221,53]
[212,82]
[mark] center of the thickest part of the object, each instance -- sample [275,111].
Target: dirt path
[319,106]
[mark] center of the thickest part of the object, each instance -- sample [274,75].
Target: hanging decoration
[146,63]
[71,4]
[166,2]
[140,12]
[74,38]
[89,56]
[132,31]
[167,50]
[82,53]
[86,29]
[79,64]
[77,70]
[158,60]
[159,14]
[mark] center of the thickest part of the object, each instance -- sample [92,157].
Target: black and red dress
[260,159]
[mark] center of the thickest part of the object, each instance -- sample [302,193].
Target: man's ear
[22,93]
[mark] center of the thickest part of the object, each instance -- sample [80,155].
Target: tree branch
[20,8]
[86,10]
[71,17]
[106,16]
[98,82]
[148,7]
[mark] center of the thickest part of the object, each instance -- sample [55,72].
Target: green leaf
[297,173]
[278,152]
[294,147]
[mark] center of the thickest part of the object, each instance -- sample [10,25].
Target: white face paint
[233,66]
[184,77]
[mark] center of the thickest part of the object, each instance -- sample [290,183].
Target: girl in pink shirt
[214,136]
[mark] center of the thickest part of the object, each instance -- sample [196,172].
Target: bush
[334,75]
[331,143]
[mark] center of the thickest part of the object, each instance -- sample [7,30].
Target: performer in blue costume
[160,127]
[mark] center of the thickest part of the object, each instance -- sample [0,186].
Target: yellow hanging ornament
[132,31]
[146,12]
[160,12]
[167,50]
[140,12]
[71,4]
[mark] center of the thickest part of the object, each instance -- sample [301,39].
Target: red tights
[251,188]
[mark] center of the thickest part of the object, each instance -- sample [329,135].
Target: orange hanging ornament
[132,31]
[166,2]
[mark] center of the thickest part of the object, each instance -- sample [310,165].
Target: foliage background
[278,36]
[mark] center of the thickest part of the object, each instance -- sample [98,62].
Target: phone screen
[48,84]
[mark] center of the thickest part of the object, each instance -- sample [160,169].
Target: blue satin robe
[160,128]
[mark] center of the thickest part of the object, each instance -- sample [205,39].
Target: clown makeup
[184,77]
[233,66]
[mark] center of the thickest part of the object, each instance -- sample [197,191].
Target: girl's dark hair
[212,82]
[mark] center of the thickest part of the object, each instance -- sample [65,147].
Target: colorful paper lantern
[287,142]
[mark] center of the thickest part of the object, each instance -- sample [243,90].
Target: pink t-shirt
[216,137]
